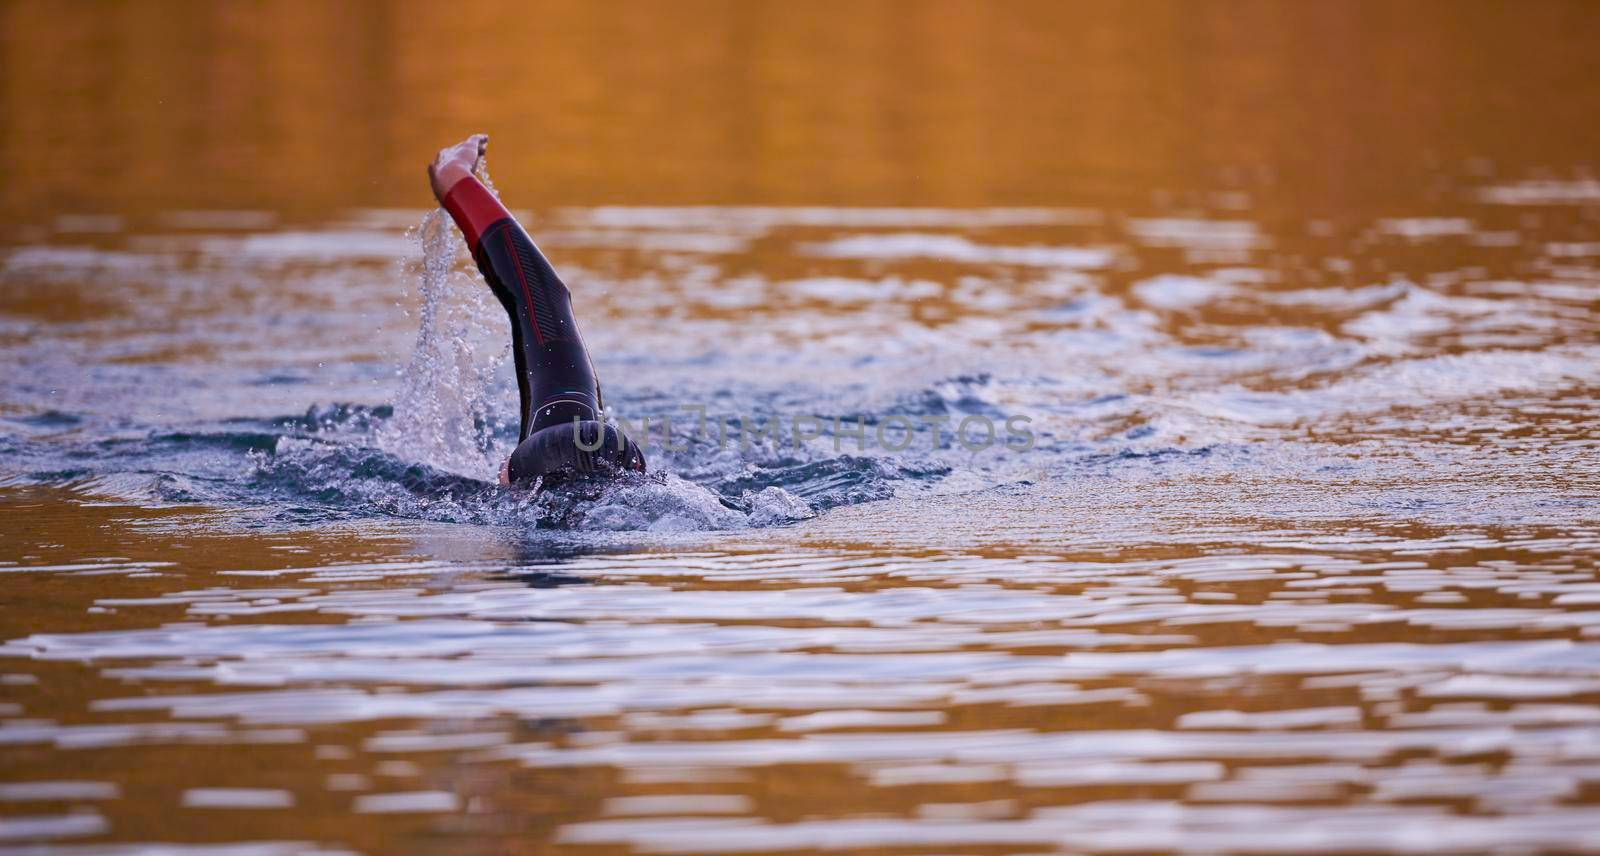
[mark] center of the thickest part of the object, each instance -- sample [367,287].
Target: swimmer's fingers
[483,149]
[456,162]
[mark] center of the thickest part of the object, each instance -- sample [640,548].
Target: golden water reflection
[1307,563]
[305,106]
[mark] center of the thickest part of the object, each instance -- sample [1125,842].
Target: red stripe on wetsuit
[474,209]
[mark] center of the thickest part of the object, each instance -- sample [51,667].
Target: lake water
[1285,319]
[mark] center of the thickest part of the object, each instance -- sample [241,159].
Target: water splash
[450,417]
[450,410]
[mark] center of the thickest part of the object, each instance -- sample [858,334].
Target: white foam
[678,804]
[831,719]
[1197,234]
[51,826]
[1170,291]
[58,790]
[407,802]
[1543,192]
[237,798]
[906,245]
[1305,717]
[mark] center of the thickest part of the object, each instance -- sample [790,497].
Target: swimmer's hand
[454,163]
[505,473]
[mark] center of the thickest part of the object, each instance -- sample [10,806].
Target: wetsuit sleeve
[555,378]
[561,406]
[474,209]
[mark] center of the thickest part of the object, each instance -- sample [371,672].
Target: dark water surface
[1298,303]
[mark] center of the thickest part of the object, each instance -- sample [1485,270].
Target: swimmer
[563,429]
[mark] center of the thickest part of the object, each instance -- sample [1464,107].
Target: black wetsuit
[563,431]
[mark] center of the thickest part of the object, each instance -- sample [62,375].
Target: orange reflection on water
[112,107]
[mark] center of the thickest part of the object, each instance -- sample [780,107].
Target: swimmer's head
[566,450]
